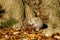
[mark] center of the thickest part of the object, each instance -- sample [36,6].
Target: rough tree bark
[13,9]
[50,8]
[29,11]
[59,8]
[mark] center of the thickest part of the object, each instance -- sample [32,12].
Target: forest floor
[9,34]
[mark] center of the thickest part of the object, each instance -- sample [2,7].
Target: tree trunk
[13,9]
[50,8]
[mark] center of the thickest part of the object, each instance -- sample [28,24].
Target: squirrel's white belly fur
[36,22]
